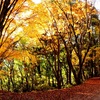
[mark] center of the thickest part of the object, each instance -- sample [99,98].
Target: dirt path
[90,90]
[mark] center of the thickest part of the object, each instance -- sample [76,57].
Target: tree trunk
[58,82]
[1,84]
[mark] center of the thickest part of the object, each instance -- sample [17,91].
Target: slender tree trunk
[59,67]
[53,82]
[79,81]
[66,71]
[32,79]
[12,76]
[8,85]
[32,88]
[49,81]
[1,84]
[69,78]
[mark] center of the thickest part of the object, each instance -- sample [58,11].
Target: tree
[72,24]
[6,8]
[11,32]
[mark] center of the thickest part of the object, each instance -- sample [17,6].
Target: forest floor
[89,90]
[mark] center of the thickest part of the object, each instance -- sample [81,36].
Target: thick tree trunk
[71,68]
[58,82]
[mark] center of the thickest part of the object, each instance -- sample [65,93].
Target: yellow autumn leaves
[32,21]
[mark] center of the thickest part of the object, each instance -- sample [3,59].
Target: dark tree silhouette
[6,7]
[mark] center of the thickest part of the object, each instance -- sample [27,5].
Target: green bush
[43,87]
